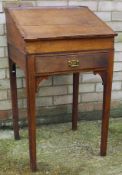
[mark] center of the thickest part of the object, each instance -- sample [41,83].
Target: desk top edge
[33,38]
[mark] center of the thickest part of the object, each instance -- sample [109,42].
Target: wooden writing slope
[58,40]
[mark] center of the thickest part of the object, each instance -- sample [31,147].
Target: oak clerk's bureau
[45,41]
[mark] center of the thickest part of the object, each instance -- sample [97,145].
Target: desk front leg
[106,112]
[30,85]
[106,76]
[13,84]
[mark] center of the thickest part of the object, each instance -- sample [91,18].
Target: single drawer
[70,62]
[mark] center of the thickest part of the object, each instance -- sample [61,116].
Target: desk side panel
[17,57]
[13,35]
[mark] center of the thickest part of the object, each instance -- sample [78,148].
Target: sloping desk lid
[35,23]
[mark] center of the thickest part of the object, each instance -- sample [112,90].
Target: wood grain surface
[46,23]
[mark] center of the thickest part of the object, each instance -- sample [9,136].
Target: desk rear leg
[13,85]
[75,100]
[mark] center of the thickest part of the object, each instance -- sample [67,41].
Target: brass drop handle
[73,63]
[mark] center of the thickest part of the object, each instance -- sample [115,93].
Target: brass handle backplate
[73,63]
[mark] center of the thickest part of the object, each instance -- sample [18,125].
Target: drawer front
[57,63]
